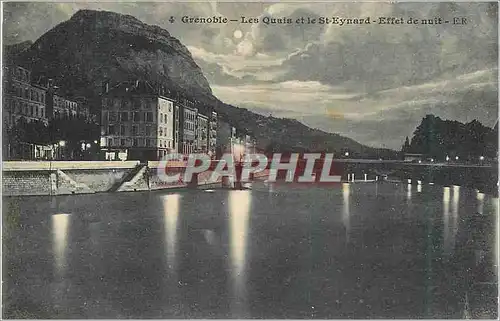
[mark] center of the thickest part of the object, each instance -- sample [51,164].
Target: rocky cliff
[94,46]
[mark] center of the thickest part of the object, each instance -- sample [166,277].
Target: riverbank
[86,177]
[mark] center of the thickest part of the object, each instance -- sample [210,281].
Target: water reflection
[496,213]
[480,202]
[450,217]
[60,229]
[446,220]
[345,210]
[170,215]
[454,210]
[239,208]
[408,192]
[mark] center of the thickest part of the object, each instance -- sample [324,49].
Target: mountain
[97,46]
[13,51]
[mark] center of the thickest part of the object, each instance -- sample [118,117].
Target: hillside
[94,46]
[439,138]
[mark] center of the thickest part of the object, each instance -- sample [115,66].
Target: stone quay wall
[82,177]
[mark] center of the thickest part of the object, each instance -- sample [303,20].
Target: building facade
[212,134]
[59,107]
[202,133]
[22,98]
[226,138]
[188,124]
[136,123]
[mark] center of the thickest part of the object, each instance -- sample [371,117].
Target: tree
[406,145]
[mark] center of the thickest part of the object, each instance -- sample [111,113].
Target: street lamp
[456,157]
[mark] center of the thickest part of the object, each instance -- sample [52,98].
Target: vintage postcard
[237,160]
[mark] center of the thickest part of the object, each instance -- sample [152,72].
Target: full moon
[238,34]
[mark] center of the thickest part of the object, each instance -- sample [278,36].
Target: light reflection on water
[480,202]
[450,217]
[494,202]
[345,209]
[454,213]
[60,229]
[170,215]
[446,221]
[239,209]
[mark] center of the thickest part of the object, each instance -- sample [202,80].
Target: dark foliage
[437,138]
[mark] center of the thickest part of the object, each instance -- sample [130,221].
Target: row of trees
[438,138]
[73,131]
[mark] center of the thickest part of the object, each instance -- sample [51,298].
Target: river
[359,250]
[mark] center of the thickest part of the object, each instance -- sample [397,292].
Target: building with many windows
[226,138]
[60,107]
[137,122]
[202,133]
[22,98]
[212,133]
[188,116]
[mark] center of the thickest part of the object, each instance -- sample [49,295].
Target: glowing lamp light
[95,141]
[420,162]
[432,159]
[88,145]
[447,158]
[481,157]
[346,154]
[456,157]
[62,143]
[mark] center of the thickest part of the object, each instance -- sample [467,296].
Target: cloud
[377,57]
[380,119]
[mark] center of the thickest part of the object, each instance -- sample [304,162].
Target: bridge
[480,176]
